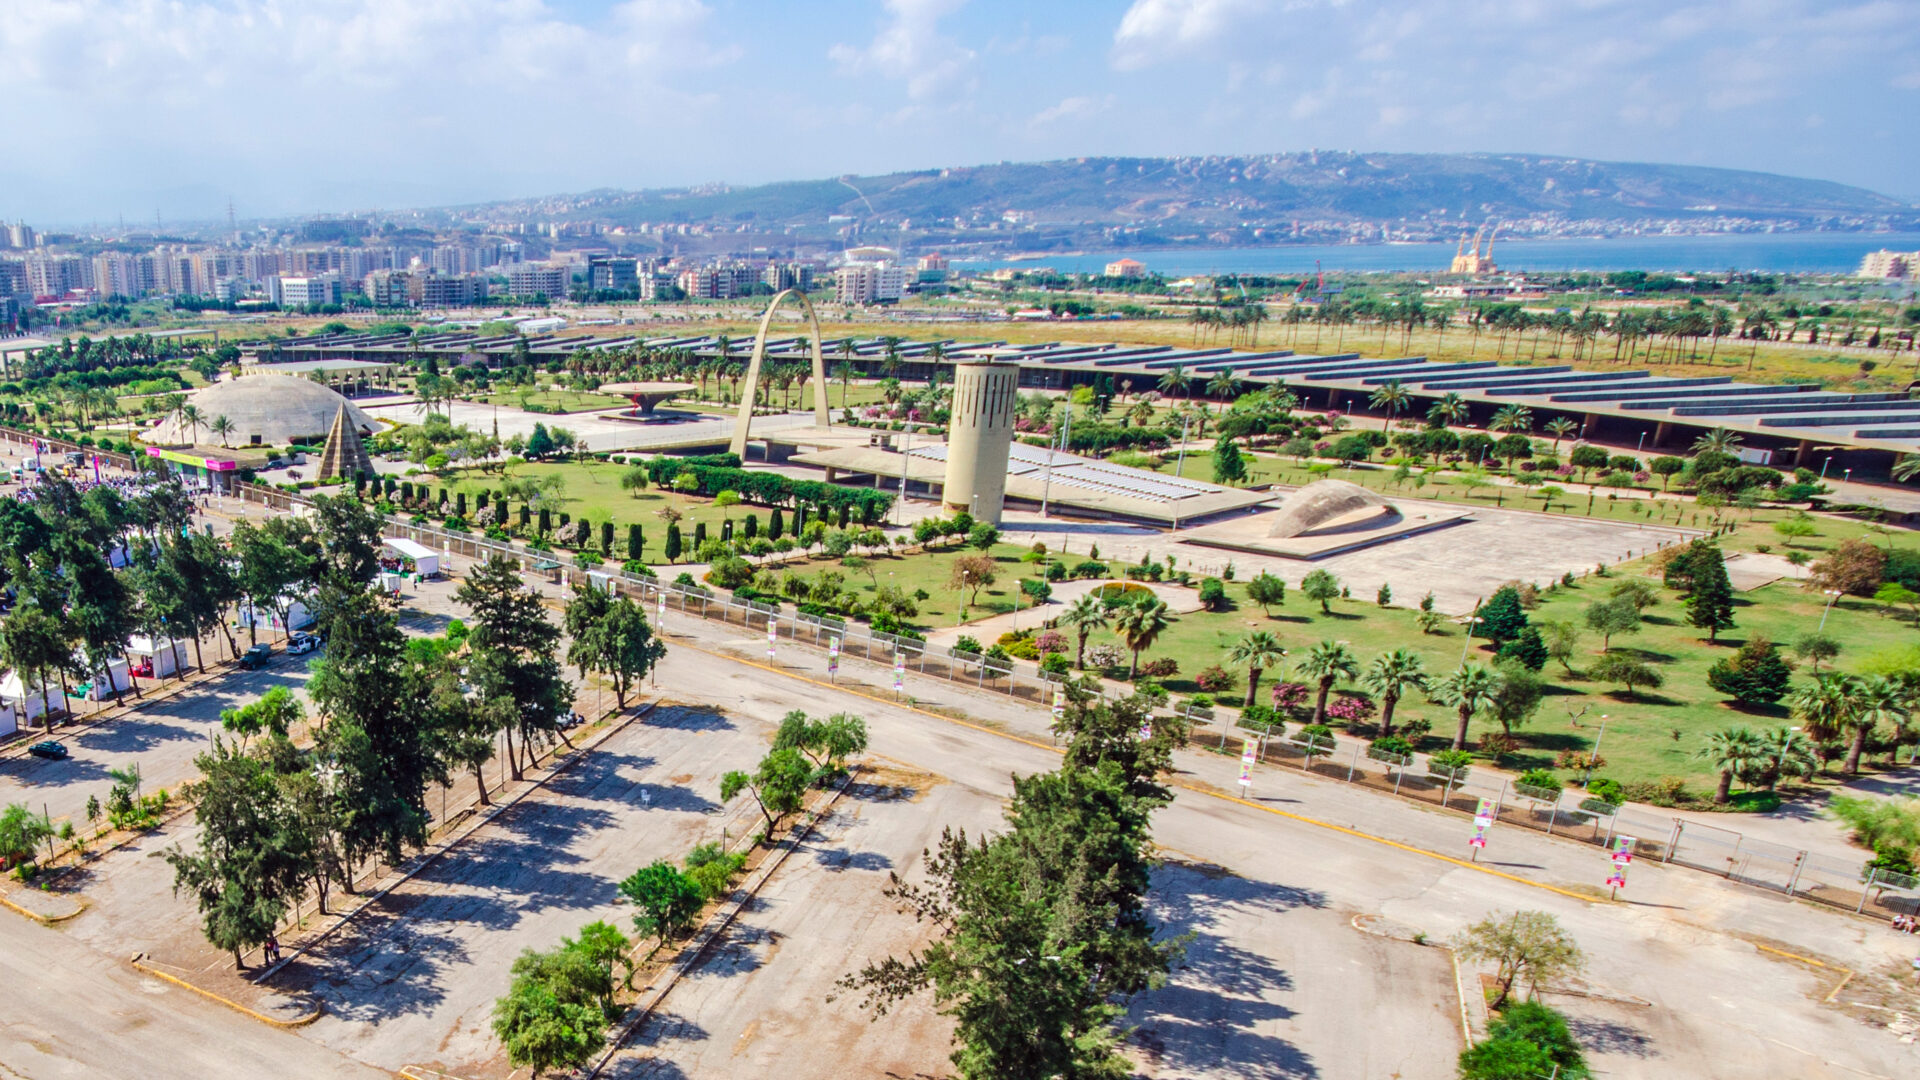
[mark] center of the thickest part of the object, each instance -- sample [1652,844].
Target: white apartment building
[538,279]
[870,283]
[1890,264]
[300,291]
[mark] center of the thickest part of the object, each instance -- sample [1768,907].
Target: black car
[51,750]
[256,657]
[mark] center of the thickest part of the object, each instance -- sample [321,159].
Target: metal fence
[1678,841]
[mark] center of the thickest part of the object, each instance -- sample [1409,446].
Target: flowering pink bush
[1051,641]
[1351,709]
[1288,695]
[1642,476]
[1564,470]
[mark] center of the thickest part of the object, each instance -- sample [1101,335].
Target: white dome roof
[266,410]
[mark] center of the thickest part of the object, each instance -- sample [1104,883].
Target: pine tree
[1229,466]
[1502,616]
[1710,605]
[1527,648]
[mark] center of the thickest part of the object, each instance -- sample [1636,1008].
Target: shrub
[1753,675]
[1161,668]
[1214,679]
[1541,780]
[1105,657]
[964,643]
[1288,696]
[1450,761]
[1021,649]
[1607,791]
[1051,641]
[1351,709]
[1667,791]
[1392,744]
[1056,663]
[1213,594]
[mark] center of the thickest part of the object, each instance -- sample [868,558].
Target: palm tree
[1390,675]
[1140,624]
[1734,751]
[1328,662]
[1392,397]
[1256,652]
[1511,418]
[1786,750]
[844,372]
[1719,440]
[1560,427]
[1469,688]
[1907,467]
[1224,386]
[1141,412]
[1084,615]
[1823,707]
[1175,381]
[191,421]
[1880,700]
[1450,409]
[222,427]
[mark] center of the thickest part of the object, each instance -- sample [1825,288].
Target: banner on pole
[773,637]
[899,672]
[833,655]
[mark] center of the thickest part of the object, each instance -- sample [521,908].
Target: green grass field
[555,401]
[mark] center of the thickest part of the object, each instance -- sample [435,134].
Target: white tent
[109,682]
[165,657]
[8,725]
[426,561]
[299,615]
[31,701]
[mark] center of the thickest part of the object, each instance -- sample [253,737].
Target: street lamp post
[1832,595]
[1181,462]
[1595,754]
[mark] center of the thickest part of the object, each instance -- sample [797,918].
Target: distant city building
[20,236]
[1890,264]
[1130,269]
[863,283]
[612,274]
[935,261]
[538,279]
[442,290]
[290,292]
[13,279]
[787,276]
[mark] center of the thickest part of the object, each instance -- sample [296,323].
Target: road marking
[1302,818]
[298,1021]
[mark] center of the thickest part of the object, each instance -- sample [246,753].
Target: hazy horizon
[126,108]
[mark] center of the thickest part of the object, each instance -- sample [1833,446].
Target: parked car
[256,657]
[51,750]
[301,643]
[278,463]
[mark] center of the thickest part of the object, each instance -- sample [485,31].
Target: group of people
[1906,924]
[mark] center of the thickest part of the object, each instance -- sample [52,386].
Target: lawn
[1641,741]
[556,401]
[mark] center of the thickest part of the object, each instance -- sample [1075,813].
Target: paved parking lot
[413,981]
[162,738]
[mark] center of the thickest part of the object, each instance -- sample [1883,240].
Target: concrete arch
[740,427]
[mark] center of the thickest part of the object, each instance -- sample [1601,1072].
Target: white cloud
[1072,108]
[909,47]
[1154,30]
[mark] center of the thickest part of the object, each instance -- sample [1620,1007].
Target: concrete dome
[1325,503]
[266,410]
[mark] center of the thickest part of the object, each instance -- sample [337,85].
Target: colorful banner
[773,637]
[1622,858]
[899,672]
[1483,816]
[833,655]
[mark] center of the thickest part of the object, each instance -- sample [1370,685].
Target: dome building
[265,410]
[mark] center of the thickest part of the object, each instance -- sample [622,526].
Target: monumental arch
[760,353]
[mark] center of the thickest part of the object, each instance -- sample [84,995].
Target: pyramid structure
[346,456]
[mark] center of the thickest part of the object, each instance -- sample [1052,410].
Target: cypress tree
[775,527]
[699,534]
[751,527]
[526,515]
[673,542]
[546,520]
[606,538]
[844,508]
[636,542]
[1710,605]
[460,504]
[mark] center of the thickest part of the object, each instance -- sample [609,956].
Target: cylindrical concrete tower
[979,435]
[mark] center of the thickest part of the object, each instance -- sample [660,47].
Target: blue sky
[122,107]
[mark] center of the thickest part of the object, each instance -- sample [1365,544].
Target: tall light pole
[1181,461]
[1832,595]
[906,456]
[1595,754]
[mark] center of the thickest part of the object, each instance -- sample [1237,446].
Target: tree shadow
[838,859]
[864,791]
[743,950]
[1611,1037]
[655,1040]
[689,719]
[398,957]
[1219,992]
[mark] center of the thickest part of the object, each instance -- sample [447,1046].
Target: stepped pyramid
[346,456]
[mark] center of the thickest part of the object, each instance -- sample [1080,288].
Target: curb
[474,825]
[47,920]
[297,1022]
[693,951]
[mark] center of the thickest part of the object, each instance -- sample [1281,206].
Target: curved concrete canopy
[1322,503]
